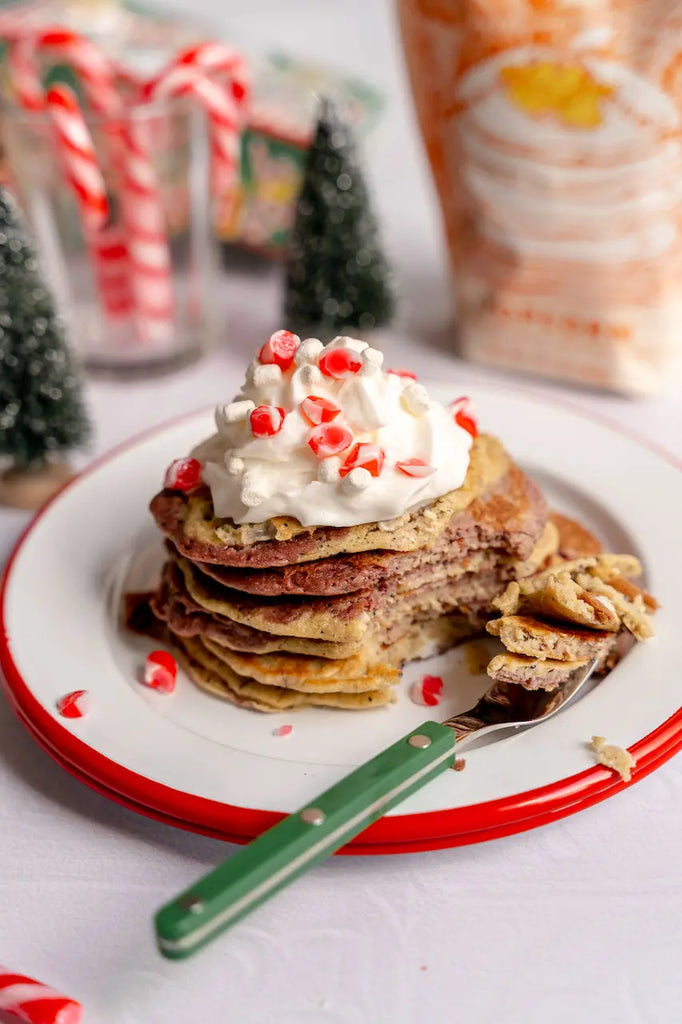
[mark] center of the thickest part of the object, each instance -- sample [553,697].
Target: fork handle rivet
[419,741]
[312,816]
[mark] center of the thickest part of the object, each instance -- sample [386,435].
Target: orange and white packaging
[554,132]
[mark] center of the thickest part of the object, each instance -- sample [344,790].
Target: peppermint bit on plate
[428,691]
[283,730]
[74,705]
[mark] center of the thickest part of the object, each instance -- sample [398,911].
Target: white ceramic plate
[205,764]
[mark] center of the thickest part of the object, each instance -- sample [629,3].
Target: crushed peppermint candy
[74,705]
[183,475]
[428,691]
[283,730]
[340,362]
[407,374]
[364,456]
[318,410]
[463,412]
[160,671]
[266,420]
[280,349]
[329,439]
[414,467]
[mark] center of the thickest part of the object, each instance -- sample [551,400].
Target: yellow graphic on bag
[567,92]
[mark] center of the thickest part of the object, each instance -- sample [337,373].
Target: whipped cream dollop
[373,446]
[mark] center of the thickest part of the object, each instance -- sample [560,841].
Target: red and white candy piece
[364,456]
[74,705]
[428,691]
[414,467]
[283,730]
[339,363]
[266,420]
[407,374]
[318,410]
[464,417]
[329,439]
[280,348]
[183,475]
[28,1000]
[160,671]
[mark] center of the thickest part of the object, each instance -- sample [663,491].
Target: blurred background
[553,137]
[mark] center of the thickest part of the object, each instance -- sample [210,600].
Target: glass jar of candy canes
[121,217]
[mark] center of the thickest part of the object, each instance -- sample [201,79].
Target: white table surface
[580,921]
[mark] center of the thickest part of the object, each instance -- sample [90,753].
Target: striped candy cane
[147,236]
[107,248]
[29,1001]
[143,243]
[225,65]
[25,76]
[221,111]
[94,69]
[109,256]
[223,61]
[78,155]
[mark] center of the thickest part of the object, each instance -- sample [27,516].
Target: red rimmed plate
[203,764]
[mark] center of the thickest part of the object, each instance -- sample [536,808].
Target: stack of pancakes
[556,621]
[275,615]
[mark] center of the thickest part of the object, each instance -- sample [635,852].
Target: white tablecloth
[580,921]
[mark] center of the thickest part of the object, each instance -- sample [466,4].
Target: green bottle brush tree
[42,415]
[337,278]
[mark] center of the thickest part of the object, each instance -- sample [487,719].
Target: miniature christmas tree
[336,275]
[41,411]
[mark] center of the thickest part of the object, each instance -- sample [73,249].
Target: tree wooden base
[30,489]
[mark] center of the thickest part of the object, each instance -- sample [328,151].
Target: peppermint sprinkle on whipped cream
[324,434]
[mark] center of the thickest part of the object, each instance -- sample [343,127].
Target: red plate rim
[359,847]
[393,834]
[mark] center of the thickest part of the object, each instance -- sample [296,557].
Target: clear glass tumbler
[138,295]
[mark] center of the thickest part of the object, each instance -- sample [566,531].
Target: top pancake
[188,521]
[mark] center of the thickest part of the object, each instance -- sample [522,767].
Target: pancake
[346,618]
[507,501]
[308,674]
[376,665]
[631,604]
[533,673]
[582,592]
[557,597]
[575,540]
[522,634]
[217,678]
[175,605]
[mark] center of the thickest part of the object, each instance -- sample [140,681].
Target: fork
[303,838]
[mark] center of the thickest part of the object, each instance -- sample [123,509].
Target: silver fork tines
[512,706]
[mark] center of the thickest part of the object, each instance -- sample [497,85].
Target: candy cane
[109,256]
[222,113]
[34,1003]
[78,155]
[93,68]
[145,238]
[25,74]
[109,250]
[151,279]
[224,61]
